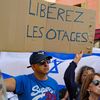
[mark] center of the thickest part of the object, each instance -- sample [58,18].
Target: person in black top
[69,77]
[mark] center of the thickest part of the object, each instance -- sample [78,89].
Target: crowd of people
[40,86]
[74,85]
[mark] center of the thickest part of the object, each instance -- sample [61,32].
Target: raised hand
[78,57]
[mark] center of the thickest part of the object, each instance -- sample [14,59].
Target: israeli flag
[14,63]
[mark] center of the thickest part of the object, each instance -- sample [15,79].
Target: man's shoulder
[52,79]
[23,76]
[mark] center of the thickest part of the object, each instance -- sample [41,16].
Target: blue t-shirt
[30,88]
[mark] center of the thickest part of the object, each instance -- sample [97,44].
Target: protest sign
[32,25]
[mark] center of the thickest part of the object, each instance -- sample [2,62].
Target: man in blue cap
[35,86]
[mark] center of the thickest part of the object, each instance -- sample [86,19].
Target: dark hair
[62,93]
[83,68]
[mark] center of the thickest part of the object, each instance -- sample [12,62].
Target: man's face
[41,67]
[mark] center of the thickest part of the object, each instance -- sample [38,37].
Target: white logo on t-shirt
[38,92]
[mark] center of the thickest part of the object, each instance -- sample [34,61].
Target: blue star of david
[54,69]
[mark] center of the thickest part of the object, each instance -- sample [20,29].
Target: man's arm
[10,84]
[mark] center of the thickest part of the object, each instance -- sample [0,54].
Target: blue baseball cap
[36,57]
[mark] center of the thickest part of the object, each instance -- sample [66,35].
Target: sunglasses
[44,61]
[96,82]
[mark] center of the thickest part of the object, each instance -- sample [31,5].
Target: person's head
[90,86]
[39,62]
[83,72]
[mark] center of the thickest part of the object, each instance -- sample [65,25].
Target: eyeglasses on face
[96,82]
[44,61]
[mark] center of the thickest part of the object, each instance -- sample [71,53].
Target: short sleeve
[19,84]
